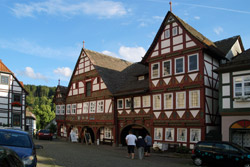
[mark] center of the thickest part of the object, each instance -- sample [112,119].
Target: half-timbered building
[235,99]
[12,99]
[171,94]
[88,107]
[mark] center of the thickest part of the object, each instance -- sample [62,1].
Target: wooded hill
[39,102]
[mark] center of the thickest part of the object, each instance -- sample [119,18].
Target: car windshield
[14,139]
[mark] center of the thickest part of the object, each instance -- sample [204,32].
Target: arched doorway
[87,135]
[240,133]
[138,130]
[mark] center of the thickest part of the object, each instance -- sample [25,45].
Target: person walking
[130,140]
[148,141]
[140,146]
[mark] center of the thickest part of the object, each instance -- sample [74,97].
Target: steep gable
[174,35]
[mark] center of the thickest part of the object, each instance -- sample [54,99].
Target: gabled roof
[225,45]
[4,68]
[108,67]
[239,62]
[208,44]
[63,91]
[128,80]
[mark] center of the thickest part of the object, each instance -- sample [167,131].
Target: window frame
[165,100]
[68,108]
[143,104]
[190,99]
[139,102]
[178,135]
[167,33]
[13,120]
[242,82]
[163,68]
[58,109]
[85,106]
[92,110]
[4,83]
[197,59]
[88,89]
[183,65]
[62,109]
[177,104]
[100,108]
[73,109]
[152,73]
[128,107]
[173,30]
[154,107]
[121,103]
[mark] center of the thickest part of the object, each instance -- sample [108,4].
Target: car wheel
[197,161]
[247,165]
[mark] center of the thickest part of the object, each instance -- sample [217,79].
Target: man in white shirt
[131,139]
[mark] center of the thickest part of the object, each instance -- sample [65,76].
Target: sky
[41,40]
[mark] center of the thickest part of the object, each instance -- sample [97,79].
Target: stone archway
[138,130]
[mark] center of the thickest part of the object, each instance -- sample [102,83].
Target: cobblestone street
[59,153]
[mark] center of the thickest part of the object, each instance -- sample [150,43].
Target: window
[158,132]
[157,102]
[68,110]
[16,120]
[146,101]
[88,89]
[58,109]
[193,63]
[194,99]
[73,108]
[62,109]
[167,68]
[195,135]
[107,133]
[180,99]
[17,98]
[140,78]
[174,31]
[242,86]
[169,134]
[100,106]
[155,70]
[137,102]
[167,33]
[168,101]
[92,107]
[86,107]
[181,134]
[128,103]
[179,65]
[4,80]
[120,103]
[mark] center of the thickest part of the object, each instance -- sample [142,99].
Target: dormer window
[141,77]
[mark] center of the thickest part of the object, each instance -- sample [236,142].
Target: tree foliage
[39,102]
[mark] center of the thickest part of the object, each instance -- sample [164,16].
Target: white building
[12,99]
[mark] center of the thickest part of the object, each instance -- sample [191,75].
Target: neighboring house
[12,99]
[30,123]
[235,99]
[171,94]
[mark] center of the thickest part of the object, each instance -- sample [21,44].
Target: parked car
[9,157]
[224,153]
[20,142]
[45,134]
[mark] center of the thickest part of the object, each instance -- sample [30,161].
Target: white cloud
[63,71]
[133,54]
[106,52]
[197,17]
[218,30]
[31,48]
[101,8]
[29,72]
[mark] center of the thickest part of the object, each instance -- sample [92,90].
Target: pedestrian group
[143,145]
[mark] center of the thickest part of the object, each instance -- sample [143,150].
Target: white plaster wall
[226,90]
[167,50]
[241,104]
[154,54]
[190,44]
[226,103]
[95,87]
[225,78]
[103,86]
[241,72]
[165,43]
[178,47]
[207,58]
[177,40]
[107,104]
[227,121]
